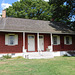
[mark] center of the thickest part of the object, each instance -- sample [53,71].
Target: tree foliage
[61,11]
[64,11]
[39,9]
[32,9]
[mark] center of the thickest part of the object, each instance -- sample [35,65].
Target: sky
[6,3]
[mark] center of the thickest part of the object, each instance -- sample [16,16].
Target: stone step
[38,55]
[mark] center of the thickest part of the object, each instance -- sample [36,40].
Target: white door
[41,42]
[31,43]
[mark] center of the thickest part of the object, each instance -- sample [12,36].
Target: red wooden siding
[47,42]
[62,46]
[10,49]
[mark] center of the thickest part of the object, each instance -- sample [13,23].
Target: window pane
[11,39]
[40,37]
[54,40]
[30,37]
[67,40]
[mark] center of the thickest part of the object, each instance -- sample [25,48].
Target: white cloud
[46,0]
[5,5]
[18,0]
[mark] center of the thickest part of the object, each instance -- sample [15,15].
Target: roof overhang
[34,32]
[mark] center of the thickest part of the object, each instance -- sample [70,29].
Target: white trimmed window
[67,40]
[11,39]
[56,40]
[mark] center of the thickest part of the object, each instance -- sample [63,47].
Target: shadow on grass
[68,56]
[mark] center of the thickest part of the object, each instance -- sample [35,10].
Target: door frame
[34,42]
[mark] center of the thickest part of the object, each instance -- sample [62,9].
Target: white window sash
[70,40]
[7,39]
[58,39]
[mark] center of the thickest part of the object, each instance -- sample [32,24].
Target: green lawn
[54,66]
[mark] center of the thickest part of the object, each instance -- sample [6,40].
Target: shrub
[6,56]
[65,55]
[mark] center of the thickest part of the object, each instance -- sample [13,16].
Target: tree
[64,11]
[32,9]
[71,3]
[61,11]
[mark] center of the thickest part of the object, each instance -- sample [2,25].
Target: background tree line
[54,10]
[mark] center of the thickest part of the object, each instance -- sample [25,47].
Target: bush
[6,56]
[65,55]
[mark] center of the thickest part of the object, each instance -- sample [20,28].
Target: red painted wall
[10,49]
[47,42]
[62,46]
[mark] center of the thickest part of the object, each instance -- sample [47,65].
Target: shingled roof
[28,25]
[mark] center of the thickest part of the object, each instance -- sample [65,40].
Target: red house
[34,38]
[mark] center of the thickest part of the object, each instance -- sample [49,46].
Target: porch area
[37,42]
[37,45]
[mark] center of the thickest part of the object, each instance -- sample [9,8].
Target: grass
[54,66]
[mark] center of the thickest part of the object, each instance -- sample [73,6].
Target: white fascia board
[34,32]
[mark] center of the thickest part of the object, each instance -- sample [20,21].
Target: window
[40,36]
[55,40]
[30,36]
[67,40]
[11,39]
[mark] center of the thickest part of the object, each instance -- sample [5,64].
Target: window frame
[58,40]
[67,40]
[7,39]
[54,40]
[70,40]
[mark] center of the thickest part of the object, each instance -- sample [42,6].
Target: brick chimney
[4,14]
